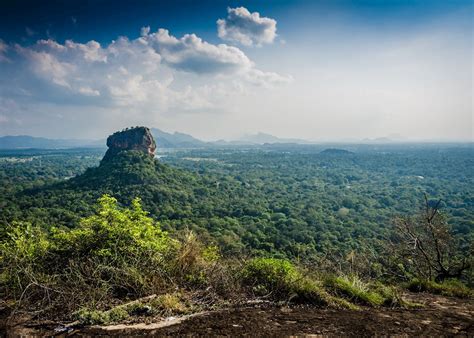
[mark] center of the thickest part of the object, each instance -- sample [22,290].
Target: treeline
[341,230]
[118,263]
[291,205]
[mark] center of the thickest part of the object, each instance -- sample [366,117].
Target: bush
[22,256]
[281,280]
[450,287]
[115,253]
[270,275]
[114,234]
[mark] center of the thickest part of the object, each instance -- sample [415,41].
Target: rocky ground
[440,316]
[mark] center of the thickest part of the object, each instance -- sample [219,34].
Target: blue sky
[104,20]
[321,70]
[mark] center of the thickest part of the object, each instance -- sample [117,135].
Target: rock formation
[137,138]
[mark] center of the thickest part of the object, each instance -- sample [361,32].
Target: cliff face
[138,138]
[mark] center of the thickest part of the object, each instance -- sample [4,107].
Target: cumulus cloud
[191,53]
[129,71]
[266,79]
[152,74]
[246,28]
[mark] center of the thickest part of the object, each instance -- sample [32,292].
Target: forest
[330,226]
[289,203]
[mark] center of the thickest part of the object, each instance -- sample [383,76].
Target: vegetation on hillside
[209,228]
[119,255]
[297,204]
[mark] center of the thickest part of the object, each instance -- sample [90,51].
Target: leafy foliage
[291,203]
[271,275]
[113,233]
[113,253]
[333,212]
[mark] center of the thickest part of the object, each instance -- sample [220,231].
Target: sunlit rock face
[137,138]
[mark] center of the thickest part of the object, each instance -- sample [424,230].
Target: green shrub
[281,280]
[270,275]
[115,253]
[21,256]
[114,233]
[450,287]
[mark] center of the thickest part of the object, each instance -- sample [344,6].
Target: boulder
[137,138]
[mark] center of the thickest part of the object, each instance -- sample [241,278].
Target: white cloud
[266,79]
[89,91]
[90,52]
[47,66]
[151,75]
[190,53]
[128,71]
[246,28]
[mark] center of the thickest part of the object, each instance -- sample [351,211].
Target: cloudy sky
[319,70]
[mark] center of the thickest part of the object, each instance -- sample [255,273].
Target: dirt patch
[281,321]
[441,316]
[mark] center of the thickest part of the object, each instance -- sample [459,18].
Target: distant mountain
[224,143]
[262,138]
[24,141]
[392,138]
[336,151]
[175,140]
[163,140]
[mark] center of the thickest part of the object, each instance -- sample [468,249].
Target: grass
[169,304]
[279,279]
[98,317]
[355,290]
[373,294]
[450,287]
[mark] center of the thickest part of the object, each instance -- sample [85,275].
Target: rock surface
[441,316]
[137,138]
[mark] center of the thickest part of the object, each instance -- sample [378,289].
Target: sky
[321,70]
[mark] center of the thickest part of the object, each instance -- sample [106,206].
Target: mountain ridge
[26,141]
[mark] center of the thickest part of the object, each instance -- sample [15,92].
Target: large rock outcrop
[137,138]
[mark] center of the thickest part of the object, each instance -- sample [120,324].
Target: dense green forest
[104,239]
[288,201]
